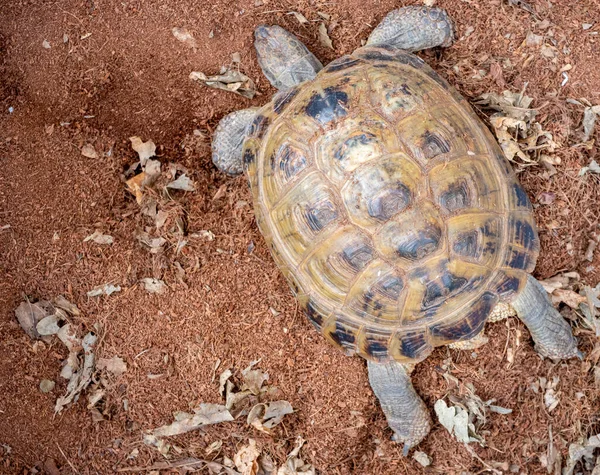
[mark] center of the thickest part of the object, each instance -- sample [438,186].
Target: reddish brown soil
[131,76]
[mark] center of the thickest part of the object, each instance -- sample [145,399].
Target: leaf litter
[466,415]
[246,398]
[99,238]
[522,138]
[228,79]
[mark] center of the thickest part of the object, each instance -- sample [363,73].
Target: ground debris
[153,286]
[228,80]
[89,151]
[265,416]
[30,314]
[99,238]
[422,458]
[324,36]
[145,150]
[583,453]
[114,365]
[523,140]
[299,16]
[106,289]
[183,35]
[182,183]
[204,414]
[467,415]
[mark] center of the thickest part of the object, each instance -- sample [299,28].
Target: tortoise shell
[388,206]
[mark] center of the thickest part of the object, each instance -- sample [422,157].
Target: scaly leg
[228,141]
[550,331]
[404,410]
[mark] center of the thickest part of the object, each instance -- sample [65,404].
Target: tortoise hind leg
[283,58]
[414,28]
[550,331]
[228,140]
[404,410]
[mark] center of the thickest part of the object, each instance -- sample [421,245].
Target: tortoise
[388,206]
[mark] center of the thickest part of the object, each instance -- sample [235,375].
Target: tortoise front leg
[404,410]
[550,331]
[414,28]
[228,141]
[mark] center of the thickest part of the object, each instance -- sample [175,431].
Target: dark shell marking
[388,206]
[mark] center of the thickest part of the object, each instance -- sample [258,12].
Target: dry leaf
[324,36]
[265,416]
[114,365]
[145,150]
[295,465]
[105,289]
[67,306]
[183,35]
[422,458]
[48,325]
[585,450]
[28,315]
[134,185]
[300,17]
[182,183]
[99,238]
[245,458]
[253,379]
[229,80]
[80,378]
[205,414]
[89,151]
[153,286]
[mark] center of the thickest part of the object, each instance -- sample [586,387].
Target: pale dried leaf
[28,315]
[99,238]
[183,35]
[300,17]
[153,286]
[265,416]
[579,451]
[422,458]
[48,325]
[254,379]
[324,36]
[182,183]
[295,465]
[570,297]
[223,378]
[145,150]
[205,414]
[246,458]
[114,365]
[69,307]
[593,167]
[230,80]
[106,289]
[89,151]
[82,377]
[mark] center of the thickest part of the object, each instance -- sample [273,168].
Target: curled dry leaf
[265,416]
[89,151]
[183,35]
[593,167]
[230,80]
[134,185]
[48,325]
[99,238]
[205,414]
[80,378]
[300,17]
[145,150]
[114,365]
[294,465]
[585,450]
[246,458]
[67,306]
[324,36]
[253,378]
[154,286]
[29,315]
